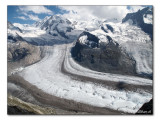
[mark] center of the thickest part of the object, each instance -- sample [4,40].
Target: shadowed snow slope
[47,76]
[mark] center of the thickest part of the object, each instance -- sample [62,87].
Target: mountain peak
[142,18]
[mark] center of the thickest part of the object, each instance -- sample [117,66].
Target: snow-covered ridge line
[47,76]
[73,67]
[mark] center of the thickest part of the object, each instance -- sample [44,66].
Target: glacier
[47,74]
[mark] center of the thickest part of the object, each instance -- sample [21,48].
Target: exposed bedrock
[138,19]
[21,54]
[15,110]
[104,57]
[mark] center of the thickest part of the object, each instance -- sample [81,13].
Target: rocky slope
[105,46]
[143,19]
[19,52]
[122,48]
[103,57]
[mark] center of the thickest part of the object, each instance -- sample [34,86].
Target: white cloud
[100,12]
[21,17]
[80,12]
[29,17]
[135,8]
[35,9]
[34,17]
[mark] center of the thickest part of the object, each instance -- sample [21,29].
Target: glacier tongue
[47,76]
[58,31]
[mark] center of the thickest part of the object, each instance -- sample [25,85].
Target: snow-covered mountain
[108,62]
[131,37]
[51,30]
[142,18]
[131,44]
[58,26]
[13,33]
[10,26]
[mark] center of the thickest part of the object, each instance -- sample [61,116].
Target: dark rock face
[109,27]
[109,38]
[15,110]
[12,38]
[147,108]
[61,33]
[15,39]
[137,19]
[103,58]
[90,37]
[69,29]
[19,54]
[104,29]
[76,51]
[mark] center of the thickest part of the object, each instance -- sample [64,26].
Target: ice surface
[75,68]
[46,75]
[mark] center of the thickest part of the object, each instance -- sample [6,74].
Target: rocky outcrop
[104,57]
[20,54]
[90,42]
[138,19]
[106,28]
[22,50]
[15,110]
[14,38]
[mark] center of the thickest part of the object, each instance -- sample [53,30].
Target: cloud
[135,8]
[34,17]
[21,17]
[78,12]
[29,17]
[32,12]
[35,9]
[100,12]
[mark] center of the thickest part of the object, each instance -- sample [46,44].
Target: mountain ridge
[57,29]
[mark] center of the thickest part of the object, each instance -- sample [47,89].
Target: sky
[31,14]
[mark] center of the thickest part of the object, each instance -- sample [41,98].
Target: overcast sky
[31,14]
